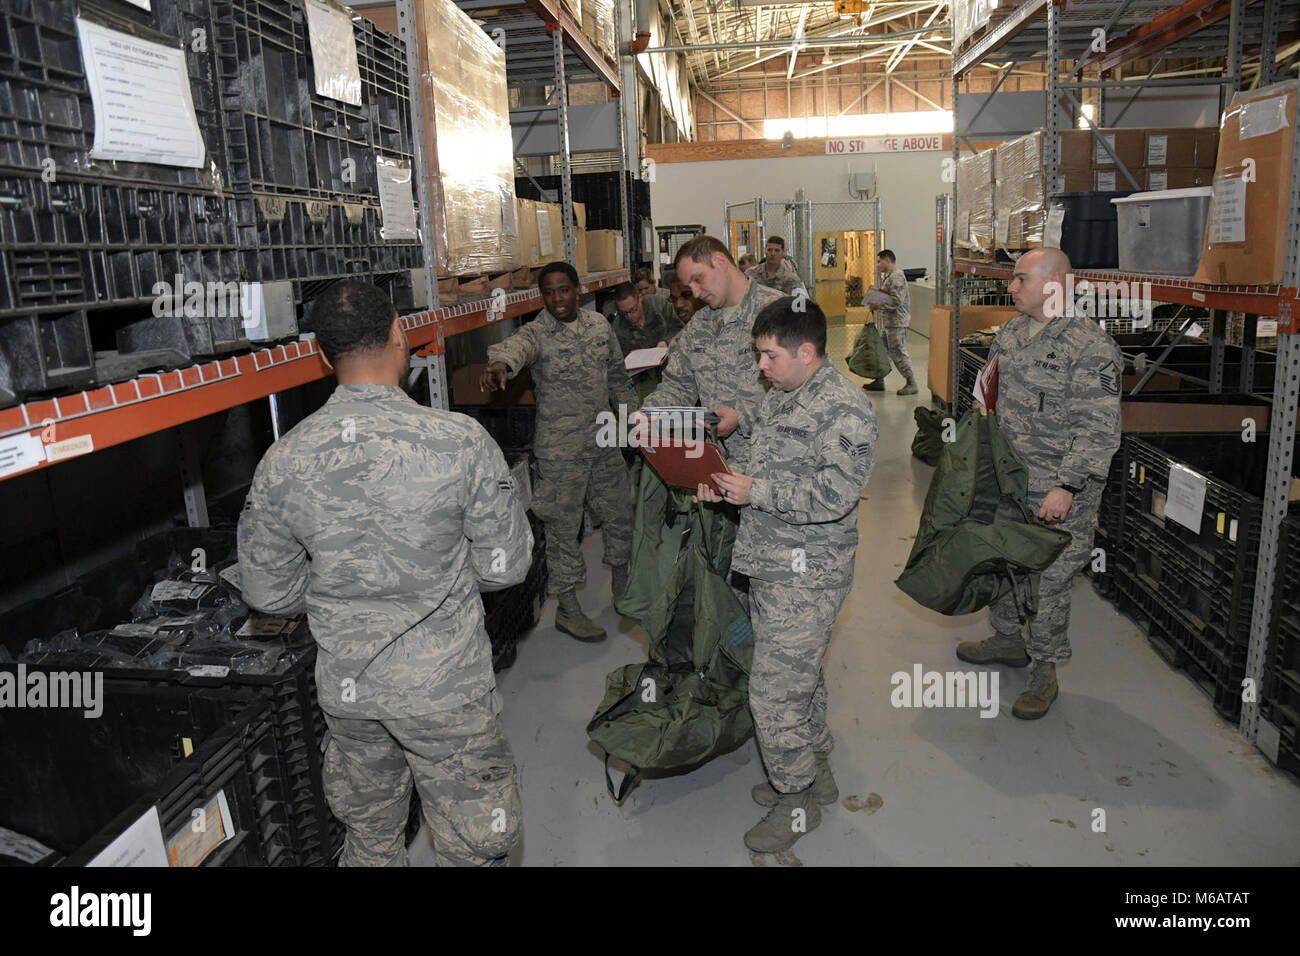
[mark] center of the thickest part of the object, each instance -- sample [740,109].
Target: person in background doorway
[894,319]
[383,520]
[684,303]
[812,452]
[1058,403]
[776,271]
[637,330]
[578,372]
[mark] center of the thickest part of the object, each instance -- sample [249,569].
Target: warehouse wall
[686,193]
[1166,106]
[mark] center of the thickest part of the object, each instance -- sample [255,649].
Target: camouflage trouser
[787,689]
[895,337]
[1049,638]
[462,766]
[562,486]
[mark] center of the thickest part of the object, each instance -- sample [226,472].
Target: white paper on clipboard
[140,844]
[333,52]
[396,201]
[140,91]
[1186,500]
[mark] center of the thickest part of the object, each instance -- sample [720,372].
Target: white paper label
[178,591]
[20,452]
[333,53]
[141,96]
[1106,181]
[1262,117]
[1228,210]
[136,629]
[1157,149]
[1103,157]
[618,248]
[191,844]
[1195,331]
[1157,179]
[140,844]
[1002,228]
[1052,229]
[259,625]
[1232,530]
[142,4]
[1265,328]
[1186,497]
[396,202]
[22,848]
[69,448]
[1144,215]
[544,233]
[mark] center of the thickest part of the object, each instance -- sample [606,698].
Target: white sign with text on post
[883,144]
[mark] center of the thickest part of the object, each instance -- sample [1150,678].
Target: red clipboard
[683,464]
[986,386]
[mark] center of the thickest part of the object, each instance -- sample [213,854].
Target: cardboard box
[1112,180]
[604,249]
[1245,235]
[1074,181]
[529,249]
[973,318]
[1175,146]
[465,388]
[1177,177]
[1076,151]
[1129,145]
[1207,146]
[550,232]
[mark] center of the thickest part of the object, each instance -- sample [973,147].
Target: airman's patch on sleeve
[855,450]
[507,485]
[1109,377]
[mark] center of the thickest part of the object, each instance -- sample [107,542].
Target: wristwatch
[1072,489]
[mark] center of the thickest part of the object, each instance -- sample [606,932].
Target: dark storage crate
[45,104]
[1090,229]
[144,750]
[1280,702]
[40,353]
[511,426]
[512,612]
[1110,525]
[104,596]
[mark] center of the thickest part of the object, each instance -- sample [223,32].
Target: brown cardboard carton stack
[1021,193]
[1179,157]
[1167,158]
[974,226]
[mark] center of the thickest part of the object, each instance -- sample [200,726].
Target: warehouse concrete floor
[1128,736]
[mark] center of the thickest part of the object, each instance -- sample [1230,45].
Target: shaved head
[1039,276]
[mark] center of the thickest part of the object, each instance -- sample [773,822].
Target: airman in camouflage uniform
[893,320]
[638,328]
[655,302]
[578,373]
[383,520]
[775,271]
[712,362]
[811,455]
[1058,402]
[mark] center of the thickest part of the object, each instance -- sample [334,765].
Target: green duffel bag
[690,701]
[869,358]
[928,443]
[963,559]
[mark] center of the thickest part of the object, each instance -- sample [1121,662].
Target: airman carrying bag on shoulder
[963,559]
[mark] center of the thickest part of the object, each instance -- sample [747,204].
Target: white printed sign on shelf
[333,52]
[1186,500]
[1228,210]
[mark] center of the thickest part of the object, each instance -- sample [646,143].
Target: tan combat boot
[824,790]
[570,619]
[618,583]
[1040,693]
[909,388]
[998,649]
[794,815]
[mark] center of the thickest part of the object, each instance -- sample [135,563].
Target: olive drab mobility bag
[963,559]
[928,442]
[869,358]
[690,701]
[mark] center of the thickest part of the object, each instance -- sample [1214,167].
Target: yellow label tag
[187,746]
[1219,527]
[1142,474]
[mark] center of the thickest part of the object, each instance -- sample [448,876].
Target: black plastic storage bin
[103,597]
[145,749]
[1090,230]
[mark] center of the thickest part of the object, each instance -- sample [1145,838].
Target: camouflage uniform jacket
[660,305]
[712,364]
[785,280]
[1058,398]
[899,313]
[384,519]
[578,372]
[812,453]
[652,330]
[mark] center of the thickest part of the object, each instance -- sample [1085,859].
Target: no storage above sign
[883,144]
